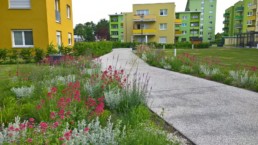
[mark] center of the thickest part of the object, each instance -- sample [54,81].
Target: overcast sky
[94,10]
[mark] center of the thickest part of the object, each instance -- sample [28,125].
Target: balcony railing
[251,18]
[250,28]
[225,29]
[178,21]
[144,18]
[178,33]
[58,16]
[144,31]
[240,9]
[253,7]
[225,21]
[238,17]
[238,26]
[226,14]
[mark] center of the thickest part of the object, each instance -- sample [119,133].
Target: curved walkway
[208,113]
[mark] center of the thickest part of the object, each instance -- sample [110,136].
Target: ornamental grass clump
[243,79]
[208,72]
[23,91]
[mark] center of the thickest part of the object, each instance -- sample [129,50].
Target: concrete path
[207,112]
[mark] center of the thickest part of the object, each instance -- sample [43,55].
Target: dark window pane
[28,37]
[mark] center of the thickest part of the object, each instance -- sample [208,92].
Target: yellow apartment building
[35,23]
[153,23]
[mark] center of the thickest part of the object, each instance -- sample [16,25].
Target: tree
[86,31]
[102,30]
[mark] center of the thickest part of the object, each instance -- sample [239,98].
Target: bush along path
[204,111]
[76,102]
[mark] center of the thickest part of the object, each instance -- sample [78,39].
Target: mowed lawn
[230,58]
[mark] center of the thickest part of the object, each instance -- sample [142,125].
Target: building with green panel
[229,18]
[190,26]
[116,27]
[207,9]
[239,17]
[249,15]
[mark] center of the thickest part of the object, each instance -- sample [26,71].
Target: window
[19,4]
[142,12]
[57,11]
[210,28]
[210,17]
[211,12]
[184,17]
[249,13]
[163,12]
[68,11]
[249,22]
[114,33]
[195,17]
[114,26]
[22,38]
[69,38]
[59,38]
[184,32]
[162,39]
[184,25]
[163,26]
[250,4]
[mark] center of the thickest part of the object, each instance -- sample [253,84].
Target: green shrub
[51,49]
[26,55]
[3,54]
[147,134]
[39,54]
[183,45]
[94,49]
[202,45]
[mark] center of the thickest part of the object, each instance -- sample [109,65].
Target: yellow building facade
[153,23]
[36,23]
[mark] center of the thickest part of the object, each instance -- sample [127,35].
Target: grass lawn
[231,58]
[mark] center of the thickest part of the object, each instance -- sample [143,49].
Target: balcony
[250,28]
[225,21]
[145,18]
[114,36]
[227,14]
[253,7]
[225,29]
[178,21]
[238,26]
[178,33]
[238,18]
[144,32]
[177,27]
[58,16]
[251,18]
[240,9]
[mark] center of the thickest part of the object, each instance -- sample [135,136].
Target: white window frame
[184,17]
[68,11]
[69,38]
[142,12]
[163,39]
[23,40]
[19,7]
[163,12]
[163,26]
[59,33]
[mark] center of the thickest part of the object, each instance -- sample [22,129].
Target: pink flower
[52,115]
[86,129]
[29,140]
[43,126]
[31,119]
[22,126]
[11,128]
[54,89]
[61,138]
[67,135]
[55,125]
[91,102]
[100,108]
